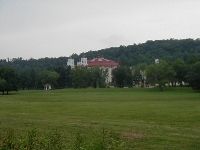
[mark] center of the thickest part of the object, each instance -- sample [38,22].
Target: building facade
[105,64]
[70,63]
[83,62]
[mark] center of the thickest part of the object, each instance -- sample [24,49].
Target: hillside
[187,49]
[147,52]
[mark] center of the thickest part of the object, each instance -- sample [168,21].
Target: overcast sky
[53,28]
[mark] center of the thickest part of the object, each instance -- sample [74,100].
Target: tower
[157,61]
[84,61]
[70,62]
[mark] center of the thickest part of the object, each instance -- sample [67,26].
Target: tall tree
[160,74]
[139,74]
[9,75]
[180,71]
[3,84]
[98,77]
[49,77]
[81,77]
[193,76]
[65,77]
[122,76]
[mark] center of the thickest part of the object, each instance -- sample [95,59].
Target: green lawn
[144,118]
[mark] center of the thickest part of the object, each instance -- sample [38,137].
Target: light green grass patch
[145,118]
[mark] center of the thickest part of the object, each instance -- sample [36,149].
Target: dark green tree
[98,77]
[81,77]
[139,74]
[64,79]
[9,75]
[3,84]
[49,77]
[122,76]
[160,74]
[193,76]
[180,69]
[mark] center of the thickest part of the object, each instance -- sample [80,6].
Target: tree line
[186,49]
[137,68]
[60,77]
[164,73]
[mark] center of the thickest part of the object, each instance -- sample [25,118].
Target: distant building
[157,61]
[104,64]
[83,62]
[70,63]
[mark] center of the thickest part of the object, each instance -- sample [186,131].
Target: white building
[83,62]
[102,63]
[70,63]
[157,61]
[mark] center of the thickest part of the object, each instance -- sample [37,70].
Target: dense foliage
[179,65]
[160,74]
[61,77]
[8,80]
[122,76]
[193,76]
[187,50]
[88,77]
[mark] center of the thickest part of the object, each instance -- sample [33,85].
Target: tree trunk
[7,92]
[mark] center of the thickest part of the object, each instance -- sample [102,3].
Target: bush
[54,140]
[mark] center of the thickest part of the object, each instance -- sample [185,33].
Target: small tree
[81,77]
[65,79]
[49,77]
[122,76]
[160,74]
[8,79]
[98,77]
[180,68]
[139,74]
[193,76]
[3,84]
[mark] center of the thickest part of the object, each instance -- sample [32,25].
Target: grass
[138,118]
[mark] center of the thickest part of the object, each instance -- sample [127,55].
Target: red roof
[102,62]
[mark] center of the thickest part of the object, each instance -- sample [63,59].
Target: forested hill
[38,64]
[172,49]
[187,49]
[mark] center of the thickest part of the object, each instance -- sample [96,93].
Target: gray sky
[53,28]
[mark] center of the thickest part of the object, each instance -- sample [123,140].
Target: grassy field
[141,118]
